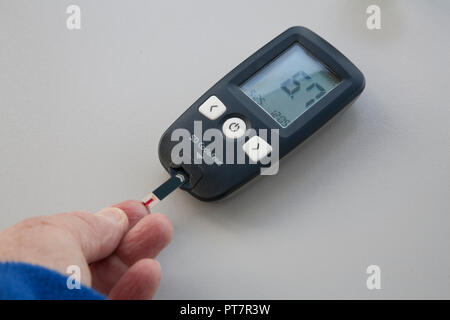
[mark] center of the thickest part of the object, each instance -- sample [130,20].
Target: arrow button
[212,108]
[257,148]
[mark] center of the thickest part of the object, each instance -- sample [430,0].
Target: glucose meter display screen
[290,85]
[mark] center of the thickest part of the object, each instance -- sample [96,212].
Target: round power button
[234,128]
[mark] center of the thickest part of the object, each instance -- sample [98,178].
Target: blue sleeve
[22,281]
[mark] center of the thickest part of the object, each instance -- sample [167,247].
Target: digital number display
[290,84]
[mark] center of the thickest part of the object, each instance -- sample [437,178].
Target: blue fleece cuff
[23,281]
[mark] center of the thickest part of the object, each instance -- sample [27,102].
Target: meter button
[234,128]
[256,148]
[212,108]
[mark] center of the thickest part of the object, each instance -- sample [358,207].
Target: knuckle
[35,222]
[84,217]
[30,227]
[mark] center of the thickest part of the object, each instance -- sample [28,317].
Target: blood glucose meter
[293,85]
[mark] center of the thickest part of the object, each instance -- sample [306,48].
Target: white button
[256,148]
[234,128]
[212,108]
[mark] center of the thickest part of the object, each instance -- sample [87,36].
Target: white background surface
[81,114]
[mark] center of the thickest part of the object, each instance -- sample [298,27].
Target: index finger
[134,209]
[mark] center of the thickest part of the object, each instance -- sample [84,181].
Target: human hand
[114,248]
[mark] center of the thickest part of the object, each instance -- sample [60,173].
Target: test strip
[175,181]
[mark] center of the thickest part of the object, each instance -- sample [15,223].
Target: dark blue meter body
[293,85]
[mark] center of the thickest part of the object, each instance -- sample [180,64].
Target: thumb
[97,234]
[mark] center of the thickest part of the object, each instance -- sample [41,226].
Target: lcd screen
[290,84]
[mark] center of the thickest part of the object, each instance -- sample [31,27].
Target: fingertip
[140,281]
[115,215]
[132,205]
[150,265]
[164,226]
[146,240]
[134,209]
[150,272]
